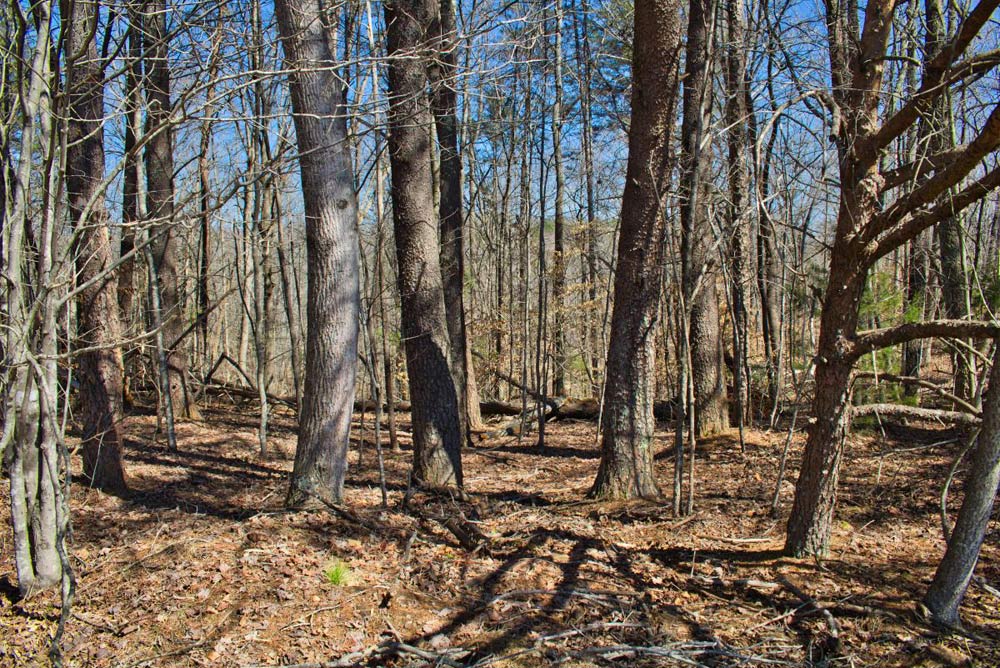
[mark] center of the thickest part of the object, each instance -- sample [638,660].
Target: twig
[812,606]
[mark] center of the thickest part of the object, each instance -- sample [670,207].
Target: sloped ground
[202,566]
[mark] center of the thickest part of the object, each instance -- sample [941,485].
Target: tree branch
[915,413]
[913,380]
[954,171]
[875,339]
[910,172]
[950,206]
[941,74]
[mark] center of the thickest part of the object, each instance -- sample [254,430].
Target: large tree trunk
[626,468]
[444,104]
[160,200]
[955,571]
[98,325]
[811,519]
[697,252]
[437,419]
[333,298]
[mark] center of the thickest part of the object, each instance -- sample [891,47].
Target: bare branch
[912,171]
[954,171]
[920,221]
[915,413]
[876,339]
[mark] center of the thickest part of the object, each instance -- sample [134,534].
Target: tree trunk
[741,250]
[437,419]
[130,193]
[99,367]
[333,297]
[938,134]
[443,73]
[697,255]
[160,199]
[33,493]
[955,571]
[626,467]
[558,222]
[811,519]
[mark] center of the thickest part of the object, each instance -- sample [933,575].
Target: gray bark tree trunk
[333,297]
[437,418]
[697,255]
[626,467]
[443,74]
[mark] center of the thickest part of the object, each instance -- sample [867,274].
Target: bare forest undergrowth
[203,566]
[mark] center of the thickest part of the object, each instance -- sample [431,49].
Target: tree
[37,512]
[159,162]
[333,298]
[955,570]
[626,467]
[99,364]
[437,420]
[442,73]
[698,276]
[871,225]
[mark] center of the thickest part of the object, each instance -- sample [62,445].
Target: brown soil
[202,566]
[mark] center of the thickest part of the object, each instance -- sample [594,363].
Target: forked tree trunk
[955,571]
[868,228]
[333,298]
[99,367]
[626,467]
[160,200]
[437,419]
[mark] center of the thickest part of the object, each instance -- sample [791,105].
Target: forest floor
[202,566]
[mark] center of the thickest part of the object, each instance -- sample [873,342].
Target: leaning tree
[881,208]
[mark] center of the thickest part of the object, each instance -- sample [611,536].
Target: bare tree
[333,302]
[99,364]
[159,163]
[626,468]
[871,225]
[698,275]
[955,570]
[437,418]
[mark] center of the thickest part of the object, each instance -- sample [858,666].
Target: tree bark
[437,419]
[558,222]
[99,367]
[955,570]
[333,297]
[697,274]
[443,74]
[626,467]
[938,133]
[867,230]
[160,198]
[741,251]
